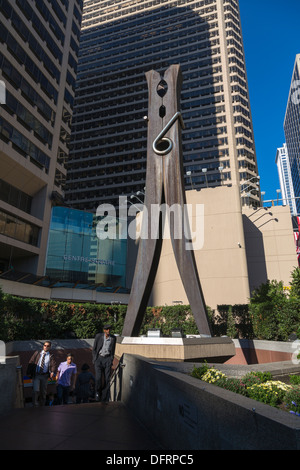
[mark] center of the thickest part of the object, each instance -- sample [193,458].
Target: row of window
[29,38]
[31,68]
[13,106]
[166,14]
[163,35]
[15,197]
[24,146]
[39,27]
[28,92]
[140,57]
[18,229]
[47,15]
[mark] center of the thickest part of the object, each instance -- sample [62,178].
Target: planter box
[185,413]
[263,352]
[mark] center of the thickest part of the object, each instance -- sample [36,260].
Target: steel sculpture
[164,184]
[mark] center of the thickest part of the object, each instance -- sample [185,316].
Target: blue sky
[271,40]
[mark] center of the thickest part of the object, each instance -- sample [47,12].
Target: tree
[295,283]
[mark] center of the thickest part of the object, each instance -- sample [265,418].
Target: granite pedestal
[198,349]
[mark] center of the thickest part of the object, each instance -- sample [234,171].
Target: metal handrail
[113,377]
[20,385]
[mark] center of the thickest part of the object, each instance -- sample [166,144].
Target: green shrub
[256,385]
[231,328]
[271,392]
[198,372]
[272,314]
[168,318]
[233,385]
[295,283]
[294,379]
[275,315]
[255,378]
[233,321]
[27,319]
[292,400]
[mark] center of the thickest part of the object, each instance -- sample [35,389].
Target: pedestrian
[84,384]
[41,366]
[103,354]
[66,376]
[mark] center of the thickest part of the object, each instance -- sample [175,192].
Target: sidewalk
[93,426]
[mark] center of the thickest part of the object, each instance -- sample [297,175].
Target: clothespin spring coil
[161,137]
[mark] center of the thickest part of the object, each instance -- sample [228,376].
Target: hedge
[29,319]
[270,315]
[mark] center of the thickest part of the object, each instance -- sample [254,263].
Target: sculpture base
[217,350]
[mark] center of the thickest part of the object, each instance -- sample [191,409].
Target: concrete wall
[270,245]
[61,294]
[264,352]
[221,261]
[185,413]
[25,290]
[242,249]
[9,385]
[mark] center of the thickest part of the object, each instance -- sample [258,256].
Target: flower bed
[259,386]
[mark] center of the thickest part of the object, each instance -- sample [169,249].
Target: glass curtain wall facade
[78,257]
[39,43]
[292,129]
[120,41]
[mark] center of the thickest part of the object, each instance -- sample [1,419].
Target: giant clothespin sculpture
[164,184]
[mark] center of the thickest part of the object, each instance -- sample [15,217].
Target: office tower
[120,41]
[285,178]
[38,59]
[292,129]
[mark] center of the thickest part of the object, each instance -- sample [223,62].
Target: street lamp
[253,178]
[248,195]
[132,204]
[263,193]
[204,170]
[278,191]
[243,188]
[189,173]
[134,196]
[221,168]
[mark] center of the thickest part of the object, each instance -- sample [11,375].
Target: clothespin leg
[150,243]
[175,195]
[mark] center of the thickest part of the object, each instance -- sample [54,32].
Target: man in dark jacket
[103,356]
[41,366]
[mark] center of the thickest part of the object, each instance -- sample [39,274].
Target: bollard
[2,352]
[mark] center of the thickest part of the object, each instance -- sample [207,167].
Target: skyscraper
[39,42]
[292,129]
[285,178]
[120,41]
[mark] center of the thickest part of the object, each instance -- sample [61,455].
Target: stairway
[92,426]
